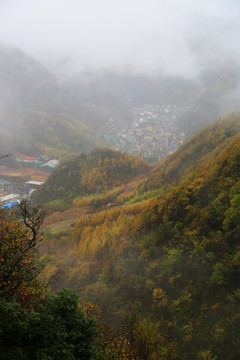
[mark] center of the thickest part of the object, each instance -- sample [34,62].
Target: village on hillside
[151,133]
[20,182]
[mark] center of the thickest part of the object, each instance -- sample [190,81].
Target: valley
[141,218]
[158,243]
[119,180]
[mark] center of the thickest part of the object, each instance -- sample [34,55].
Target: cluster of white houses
[8,195]
[150,132]
[42,162]
[11,192]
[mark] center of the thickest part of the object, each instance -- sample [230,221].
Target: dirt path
[62,220]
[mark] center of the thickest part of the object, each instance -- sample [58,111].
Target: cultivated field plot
[25,173]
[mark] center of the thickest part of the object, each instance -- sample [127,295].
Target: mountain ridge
[169,253]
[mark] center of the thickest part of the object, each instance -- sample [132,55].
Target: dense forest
[35,324]
[166,257]
[150,251]
[101,170]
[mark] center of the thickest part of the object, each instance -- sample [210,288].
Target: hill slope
[39,114]
[206,145]
[172,256]
[220,95]
[101,170]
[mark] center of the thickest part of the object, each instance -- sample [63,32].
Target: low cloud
[150,37]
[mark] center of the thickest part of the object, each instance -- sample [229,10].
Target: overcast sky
[150,36]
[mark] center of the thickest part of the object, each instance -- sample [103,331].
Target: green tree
[57,329]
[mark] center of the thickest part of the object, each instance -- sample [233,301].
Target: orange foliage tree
[20,260]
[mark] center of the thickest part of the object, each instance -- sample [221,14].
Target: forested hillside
[154,246]
[119,180]
[197,151]
[39,114]
[169,253]
[101,170]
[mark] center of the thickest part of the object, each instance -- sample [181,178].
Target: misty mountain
[37,111]
[138,90]
[26,83]
[219,96]
[210,95]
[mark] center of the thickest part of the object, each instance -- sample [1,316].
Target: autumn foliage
[172,256]
[20,258]
[97,172]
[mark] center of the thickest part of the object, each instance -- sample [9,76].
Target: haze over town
[151,37]
[140,76]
